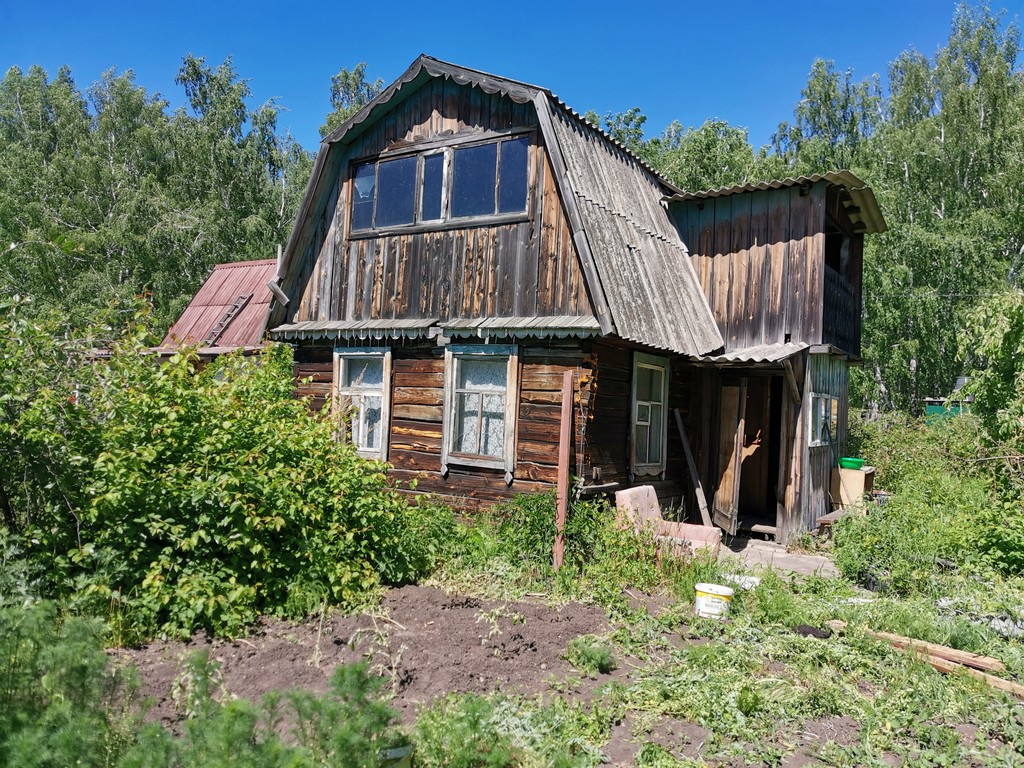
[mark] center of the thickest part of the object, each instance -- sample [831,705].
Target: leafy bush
[526,529]
[939,516]
[178,500]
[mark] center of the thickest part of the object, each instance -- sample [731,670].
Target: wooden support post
[562,489]
[698,488]
[794,390]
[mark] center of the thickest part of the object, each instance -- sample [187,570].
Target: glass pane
[483,375]
[657,423]
[362,196]
[474,172]
[493,438]
[396,192]
[643,413]
[467,423]
[433,176]
[371,421]
[643,383]
[512,188]
[642,437]
[657,375]
[364,372]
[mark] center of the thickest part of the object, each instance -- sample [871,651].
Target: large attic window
[487,179]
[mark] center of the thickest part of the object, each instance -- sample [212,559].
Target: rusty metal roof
[209,320]
[863,206]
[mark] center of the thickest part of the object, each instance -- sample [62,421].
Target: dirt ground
[428,643]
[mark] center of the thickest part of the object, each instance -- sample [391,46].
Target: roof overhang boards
[579,234]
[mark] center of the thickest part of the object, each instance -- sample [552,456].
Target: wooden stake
[702,501]
[562,489]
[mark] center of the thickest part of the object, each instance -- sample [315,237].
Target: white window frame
[453,357]
[641,360]
[342,356]
[821,426]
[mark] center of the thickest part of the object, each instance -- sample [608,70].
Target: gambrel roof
[638,274]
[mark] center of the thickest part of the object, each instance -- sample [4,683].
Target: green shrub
[934,520]
[59,702]
[174,501]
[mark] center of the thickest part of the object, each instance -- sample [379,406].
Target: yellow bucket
[712,601]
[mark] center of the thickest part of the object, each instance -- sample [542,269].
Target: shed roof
[207,320]
[863,206]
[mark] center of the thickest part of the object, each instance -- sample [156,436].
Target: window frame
[827,405]
[454,355]
[447,151]
[642,360]
[342,356]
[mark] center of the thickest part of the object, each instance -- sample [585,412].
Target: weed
[591,655]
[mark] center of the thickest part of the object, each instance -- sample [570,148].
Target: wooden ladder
[226,319]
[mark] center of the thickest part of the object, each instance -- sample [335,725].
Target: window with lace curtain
[480,406]
[363,376]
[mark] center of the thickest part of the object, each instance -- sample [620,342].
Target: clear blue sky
[742,61]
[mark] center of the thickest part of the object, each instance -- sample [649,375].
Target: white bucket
[712,601]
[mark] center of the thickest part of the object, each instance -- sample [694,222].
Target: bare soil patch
[425,642]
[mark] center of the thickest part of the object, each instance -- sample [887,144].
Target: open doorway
[748,456]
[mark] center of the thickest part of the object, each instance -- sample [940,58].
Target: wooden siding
[525,267]
[759,257]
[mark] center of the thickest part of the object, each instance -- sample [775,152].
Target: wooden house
[465,239]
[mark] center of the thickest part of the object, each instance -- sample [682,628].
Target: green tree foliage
[105,195]
[711,156]
[834,118]
[184,500]
[350,92]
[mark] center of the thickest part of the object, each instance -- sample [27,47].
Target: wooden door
[730,444]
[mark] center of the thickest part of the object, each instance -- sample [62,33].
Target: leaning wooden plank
[698,488]
[931,649]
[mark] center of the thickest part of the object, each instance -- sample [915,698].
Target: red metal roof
[226,285]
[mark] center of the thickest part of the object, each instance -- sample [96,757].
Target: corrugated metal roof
[762,353]
[644,268]
[520,327]
[862,197]
[227,284]
[383,328]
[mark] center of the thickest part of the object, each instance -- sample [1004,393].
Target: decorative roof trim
[558,327]
[356,329]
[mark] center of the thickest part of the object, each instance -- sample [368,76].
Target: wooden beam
[702,502]
[930,649]
[562,488]
[794,390]
[280,295]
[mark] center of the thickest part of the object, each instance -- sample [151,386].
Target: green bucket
[848,462]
